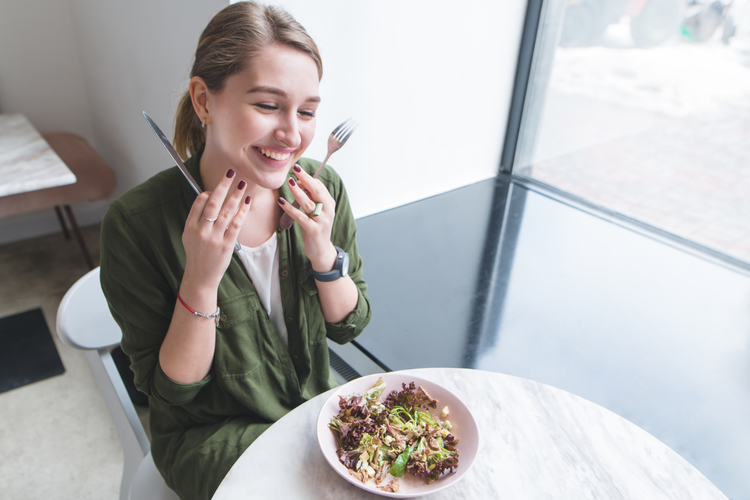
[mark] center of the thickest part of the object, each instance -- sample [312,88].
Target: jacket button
[284,273]
[289,319]
[223,317]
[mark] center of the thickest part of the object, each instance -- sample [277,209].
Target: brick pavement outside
[689,177]
[661,135]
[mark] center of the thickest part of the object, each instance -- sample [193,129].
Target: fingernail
[247,200]
[230,173]
[241,185]
[282,201]
[291,182]
[297,169]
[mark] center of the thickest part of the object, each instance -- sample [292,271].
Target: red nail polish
[247,200]
[282,201]
[291,182]
[241,185]
[297,169]
[230,173]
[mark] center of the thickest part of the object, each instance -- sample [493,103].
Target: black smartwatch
[340,269]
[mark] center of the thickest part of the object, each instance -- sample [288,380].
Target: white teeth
[274,155]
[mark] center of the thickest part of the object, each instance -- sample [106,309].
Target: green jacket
[199,430]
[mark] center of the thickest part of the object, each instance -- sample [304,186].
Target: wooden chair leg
[79,236]
[61,220]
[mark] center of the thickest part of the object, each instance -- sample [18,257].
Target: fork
[336,140]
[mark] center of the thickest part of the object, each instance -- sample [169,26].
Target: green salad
[397,436]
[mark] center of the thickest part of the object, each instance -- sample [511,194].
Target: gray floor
[58,441]
[634,322]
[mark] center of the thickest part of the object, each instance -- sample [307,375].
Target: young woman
[225,343]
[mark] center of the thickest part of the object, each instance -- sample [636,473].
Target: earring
[203,124]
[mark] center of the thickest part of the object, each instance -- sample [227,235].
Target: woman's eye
[309,114]
[268,107]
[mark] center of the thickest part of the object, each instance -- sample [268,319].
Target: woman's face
[264,118]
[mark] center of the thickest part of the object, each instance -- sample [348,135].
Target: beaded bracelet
[215,315]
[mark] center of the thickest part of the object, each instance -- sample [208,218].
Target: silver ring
[211,220]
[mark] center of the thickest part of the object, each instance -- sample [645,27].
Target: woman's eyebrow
[267,90]
[279,92]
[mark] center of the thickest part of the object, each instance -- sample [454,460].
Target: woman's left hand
[315,230]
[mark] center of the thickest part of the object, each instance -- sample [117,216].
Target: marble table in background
[537,442]
[27,163]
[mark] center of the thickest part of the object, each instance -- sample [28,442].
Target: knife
[168,146]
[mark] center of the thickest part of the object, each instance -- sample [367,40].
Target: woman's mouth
[274,155]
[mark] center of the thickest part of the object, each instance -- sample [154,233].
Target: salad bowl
[464,428]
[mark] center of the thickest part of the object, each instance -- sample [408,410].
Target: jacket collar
[193,166]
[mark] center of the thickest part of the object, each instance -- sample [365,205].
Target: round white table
[537,442]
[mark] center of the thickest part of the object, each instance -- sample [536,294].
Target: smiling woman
[269,106]
[225,343]
[225,48]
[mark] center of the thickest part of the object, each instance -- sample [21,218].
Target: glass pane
[643,107]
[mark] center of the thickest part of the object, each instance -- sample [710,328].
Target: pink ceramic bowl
[463,427]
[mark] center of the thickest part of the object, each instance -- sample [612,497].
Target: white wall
[41,77]
[40,66]
[137,56]
[90,67]
[430,82]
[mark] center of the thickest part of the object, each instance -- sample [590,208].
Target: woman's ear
[199,96]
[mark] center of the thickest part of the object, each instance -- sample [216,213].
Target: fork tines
[343,131]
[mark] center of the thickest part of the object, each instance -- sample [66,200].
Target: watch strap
[338,268]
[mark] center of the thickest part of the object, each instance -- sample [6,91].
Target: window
[643,107]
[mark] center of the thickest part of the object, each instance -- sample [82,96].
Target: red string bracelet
[215,315]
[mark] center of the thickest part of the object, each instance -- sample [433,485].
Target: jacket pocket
[238,346]
[235,310]
[308,285]
[315,321]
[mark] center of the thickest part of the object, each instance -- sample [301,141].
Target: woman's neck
[213,169]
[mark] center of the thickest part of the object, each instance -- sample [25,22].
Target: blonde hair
[225,47]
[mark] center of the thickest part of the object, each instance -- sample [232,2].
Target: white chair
[84,322]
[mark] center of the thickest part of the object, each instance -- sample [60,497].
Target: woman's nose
[287,131]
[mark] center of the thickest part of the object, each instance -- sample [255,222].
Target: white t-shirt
[262,265]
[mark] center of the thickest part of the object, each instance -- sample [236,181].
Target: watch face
[345,265]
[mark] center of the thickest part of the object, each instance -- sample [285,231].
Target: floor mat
[27,351]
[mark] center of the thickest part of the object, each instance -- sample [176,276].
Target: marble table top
[537,442]
[27,163]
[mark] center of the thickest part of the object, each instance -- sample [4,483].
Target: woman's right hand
[208,245]
[188,348]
